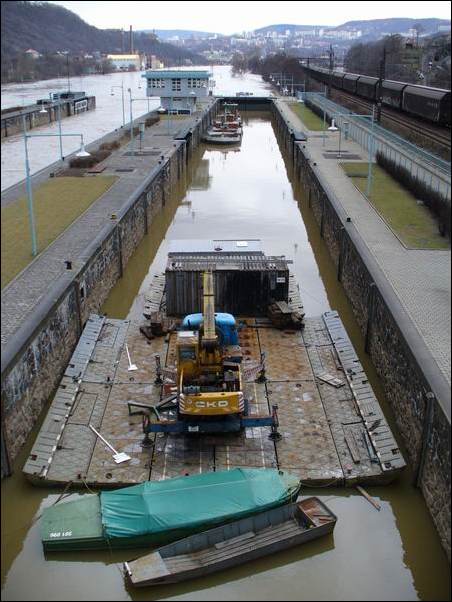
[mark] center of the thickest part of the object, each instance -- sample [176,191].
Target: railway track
[435,134]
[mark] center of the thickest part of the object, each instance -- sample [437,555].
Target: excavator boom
[209,337]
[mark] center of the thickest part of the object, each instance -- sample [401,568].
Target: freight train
[432,104]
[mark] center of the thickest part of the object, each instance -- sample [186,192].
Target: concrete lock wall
[411,386]
[34,361]
[12,122]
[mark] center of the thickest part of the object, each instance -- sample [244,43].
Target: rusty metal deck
[333,430]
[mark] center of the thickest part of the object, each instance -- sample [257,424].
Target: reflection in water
[126,289]
[393,554]
[201,179]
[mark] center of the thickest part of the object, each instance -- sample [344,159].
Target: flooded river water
[92,124]
[394,554]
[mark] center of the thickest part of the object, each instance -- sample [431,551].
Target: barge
[310,409]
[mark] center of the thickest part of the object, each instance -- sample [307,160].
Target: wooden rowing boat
[234,543]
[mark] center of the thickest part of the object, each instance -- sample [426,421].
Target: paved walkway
[22,294]
[419,278]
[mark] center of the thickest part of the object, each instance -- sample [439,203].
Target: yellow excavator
[209,397]
[208,361]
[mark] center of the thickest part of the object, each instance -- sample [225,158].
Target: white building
[178,90]
[156,63]
[126,62]
[33,53]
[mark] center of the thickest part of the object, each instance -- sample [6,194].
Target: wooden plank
[283,307]
[330,379]
[233,540]
[352,446]
[368,497]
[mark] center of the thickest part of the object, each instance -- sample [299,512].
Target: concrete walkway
[419,278]
[21,295]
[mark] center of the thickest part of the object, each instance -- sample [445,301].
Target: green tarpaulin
[194,502]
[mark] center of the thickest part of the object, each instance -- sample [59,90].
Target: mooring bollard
[158,369]
[274,434]
[146,442]
[262,378]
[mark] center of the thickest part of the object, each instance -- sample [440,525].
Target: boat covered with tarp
[156,512]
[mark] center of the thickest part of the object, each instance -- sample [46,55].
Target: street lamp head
[82,152]
[333,127]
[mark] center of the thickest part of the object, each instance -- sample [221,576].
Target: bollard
[158,369]
[274,434]
[146,442]
[262,378]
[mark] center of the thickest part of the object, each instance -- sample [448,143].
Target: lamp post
[334,128]
[324,120]
[131,100]
[80,153]
[371,148]
[122,99]
[169,114]
[193,95]
[370,144]
[303,93]
[44,110]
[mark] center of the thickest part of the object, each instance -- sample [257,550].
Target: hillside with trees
[425,62]
[48,29]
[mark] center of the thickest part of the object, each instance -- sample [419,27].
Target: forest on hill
[50,29]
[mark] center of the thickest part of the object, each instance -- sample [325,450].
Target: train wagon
[429,103]
[349,82]
[337,78]
[367,87]
[392,93]
[321,74]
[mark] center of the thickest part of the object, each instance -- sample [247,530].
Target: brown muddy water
[393,554]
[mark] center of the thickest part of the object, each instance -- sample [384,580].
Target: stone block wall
[37,370]
[426,434]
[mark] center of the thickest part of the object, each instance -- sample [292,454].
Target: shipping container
[245,282]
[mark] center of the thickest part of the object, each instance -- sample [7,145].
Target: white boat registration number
[61,534]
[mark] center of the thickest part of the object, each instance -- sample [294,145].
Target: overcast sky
[231,17]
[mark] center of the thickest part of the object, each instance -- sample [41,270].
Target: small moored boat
[217,136]
[234,543]
[157,512]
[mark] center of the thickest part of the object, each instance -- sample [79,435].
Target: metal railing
[430,169]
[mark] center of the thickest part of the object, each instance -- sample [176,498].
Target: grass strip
[409,218]
[57,203]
